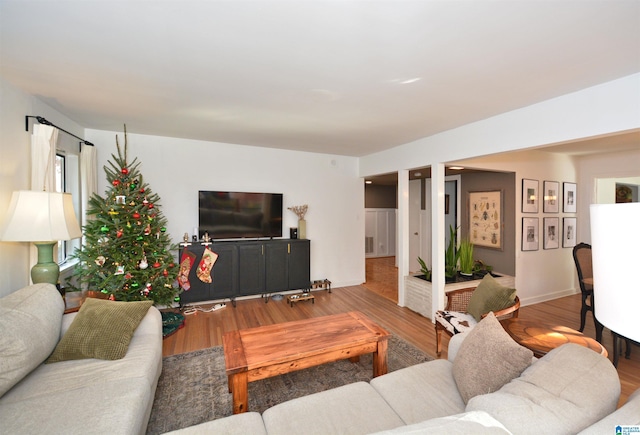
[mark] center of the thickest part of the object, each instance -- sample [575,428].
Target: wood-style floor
[377,301]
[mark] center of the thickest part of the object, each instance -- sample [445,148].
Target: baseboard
[547,297]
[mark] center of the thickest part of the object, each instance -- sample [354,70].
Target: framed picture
[569,232]
[551,235]
[485,219]
[569,197]
[551,197]
[530,196]
[530,234]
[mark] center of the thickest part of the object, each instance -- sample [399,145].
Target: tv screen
[233,215]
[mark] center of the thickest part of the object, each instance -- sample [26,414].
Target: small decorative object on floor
[300,211]
[171,322]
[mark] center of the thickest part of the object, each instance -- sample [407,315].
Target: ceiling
[339,77]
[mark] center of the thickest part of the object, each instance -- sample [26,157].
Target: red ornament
[136,215]
[165,273]
[125,171]
[116,182]
[142,190]
[171,265]
[119,233]
[150,205]
[156,265]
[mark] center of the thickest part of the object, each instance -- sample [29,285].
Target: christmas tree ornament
[150,205]
[186,262]
[124,171]
[128,224]
[119,233]
[104,229]
[145,201]
[100,260]
[112,212]
[116,183]
[136,215]
[135,285]
[142,190]
[156,265]
[143,263]
[139,238]
[163,229]
[165,272]
[206,263]
[147,230]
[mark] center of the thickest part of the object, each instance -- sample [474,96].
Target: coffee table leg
[380,359]
[239,389]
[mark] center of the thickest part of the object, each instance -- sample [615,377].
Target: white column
[437,237]
[402,226]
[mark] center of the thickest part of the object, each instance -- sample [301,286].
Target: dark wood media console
[255,267]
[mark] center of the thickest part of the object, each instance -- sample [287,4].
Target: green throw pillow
[490,296]
[102,329]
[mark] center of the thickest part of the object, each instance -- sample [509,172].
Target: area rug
[193,386]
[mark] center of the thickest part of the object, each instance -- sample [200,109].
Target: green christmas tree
[127,249]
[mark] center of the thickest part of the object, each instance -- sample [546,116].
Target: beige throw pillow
[490,296]
[102,329]
[487,359]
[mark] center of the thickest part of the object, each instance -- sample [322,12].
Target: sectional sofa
[74,396]
[488,385]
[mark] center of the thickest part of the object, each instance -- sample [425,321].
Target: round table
[542,338]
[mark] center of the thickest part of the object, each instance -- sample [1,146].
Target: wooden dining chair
[584,266]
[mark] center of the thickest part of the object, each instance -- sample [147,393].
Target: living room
[546,139]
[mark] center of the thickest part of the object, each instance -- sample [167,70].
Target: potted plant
[465,253]
[424,269]
[451,255]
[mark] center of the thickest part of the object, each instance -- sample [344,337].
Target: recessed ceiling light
[368,182]
[406,81]
[456,168]
[417,174]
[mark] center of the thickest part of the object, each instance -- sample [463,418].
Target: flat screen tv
[235,215]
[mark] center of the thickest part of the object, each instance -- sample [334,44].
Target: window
[67,180]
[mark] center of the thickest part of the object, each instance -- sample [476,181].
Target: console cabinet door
[277,266]
[224,274]
[299,260]
[251,268]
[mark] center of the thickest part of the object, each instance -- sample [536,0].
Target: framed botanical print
[530,234]
[530,196]
[551,197]
[569,200]
[569,232]
[551,235]
[485,219]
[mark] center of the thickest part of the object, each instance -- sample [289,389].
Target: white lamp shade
[40,217]
[615,249]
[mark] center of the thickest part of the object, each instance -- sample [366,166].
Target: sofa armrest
[454,345]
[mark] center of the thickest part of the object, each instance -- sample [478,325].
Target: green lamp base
[45,270]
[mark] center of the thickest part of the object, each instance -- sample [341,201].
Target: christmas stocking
[186,262]
[204,268]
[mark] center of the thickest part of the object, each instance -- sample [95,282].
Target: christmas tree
[126,253]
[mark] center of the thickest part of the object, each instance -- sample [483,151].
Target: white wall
[177,168]
[15,171]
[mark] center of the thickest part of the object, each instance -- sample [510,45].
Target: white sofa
[571,390]
[84,396]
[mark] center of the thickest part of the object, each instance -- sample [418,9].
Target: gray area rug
[193,386]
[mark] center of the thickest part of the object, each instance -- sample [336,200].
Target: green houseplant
[451,255]
[424,269]
[465,253]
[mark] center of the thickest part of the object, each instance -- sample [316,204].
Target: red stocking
[204,268]
[186,262]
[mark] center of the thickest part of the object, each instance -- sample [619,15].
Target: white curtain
[43,167]
[43,157]
[88,178]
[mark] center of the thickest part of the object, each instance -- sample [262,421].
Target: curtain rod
[41,120]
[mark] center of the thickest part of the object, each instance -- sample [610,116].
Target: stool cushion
[455,322]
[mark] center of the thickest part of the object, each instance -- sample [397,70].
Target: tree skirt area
[193,386]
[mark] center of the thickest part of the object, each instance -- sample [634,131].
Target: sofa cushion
[421,391]
[563,392]
[351,409]
[627,415]
[490,295]
[487,359]
[247,423]
[30,320]
[476,423]
[102,329]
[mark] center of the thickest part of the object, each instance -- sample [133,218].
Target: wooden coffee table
[266,351]
[542,338]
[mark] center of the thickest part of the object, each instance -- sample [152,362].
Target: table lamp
[615,246]
[43,218]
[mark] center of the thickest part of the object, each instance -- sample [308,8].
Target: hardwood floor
[204,330]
